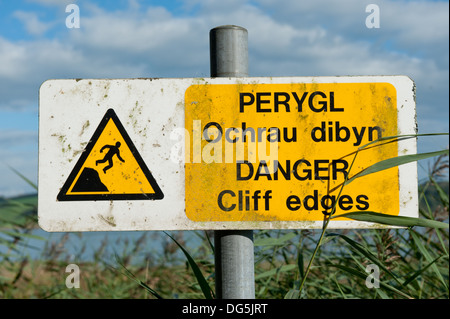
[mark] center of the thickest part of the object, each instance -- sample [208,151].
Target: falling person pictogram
[113,150]
[84,182]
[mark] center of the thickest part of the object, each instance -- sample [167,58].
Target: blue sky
[136,38]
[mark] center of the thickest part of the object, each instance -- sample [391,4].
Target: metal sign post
[234,255]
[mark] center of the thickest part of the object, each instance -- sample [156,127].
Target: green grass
[313,264]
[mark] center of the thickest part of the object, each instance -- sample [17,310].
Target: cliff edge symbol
[110,168]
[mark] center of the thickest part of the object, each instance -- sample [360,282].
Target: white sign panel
[221,153]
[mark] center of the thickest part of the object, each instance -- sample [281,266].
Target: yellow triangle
[110,168]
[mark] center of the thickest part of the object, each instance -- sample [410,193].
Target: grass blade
[424,251]
[366,253]
[301,264]
[385,219]
[130,275]
[19,235]
[442,194]
[396,138]
[420,271]
[276,271]
[24,178]
[197,272]
[393,162]
[292,294]
[270,241]
[209,242]
[363,276]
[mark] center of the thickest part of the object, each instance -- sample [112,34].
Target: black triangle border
[110,114]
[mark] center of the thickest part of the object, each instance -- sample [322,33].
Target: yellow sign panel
[280,152]
[110,168]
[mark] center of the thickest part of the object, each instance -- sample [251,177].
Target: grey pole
[234,251]
[228,51]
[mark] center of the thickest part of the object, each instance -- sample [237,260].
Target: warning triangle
[110,168]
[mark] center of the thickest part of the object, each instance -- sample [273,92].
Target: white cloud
[10,55]
[32,23]
[285,38]
[53,2]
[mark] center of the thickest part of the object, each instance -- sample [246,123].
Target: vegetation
[314,264]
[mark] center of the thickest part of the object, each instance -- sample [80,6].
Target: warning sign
[223,153]
[283,150]
[110,168]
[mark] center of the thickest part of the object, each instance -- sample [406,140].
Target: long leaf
[197,272]
[366,253]
[363,276]
[396,138]
[300,264]
[292,294]
[428,257]
[385,219]
[24,178]
[393,162]
[420,271]
[274,241]
[130,275]
[209,242]
[22,235]
[275,271]
[443,196]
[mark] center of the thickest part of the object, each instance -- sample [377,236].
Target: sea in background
[80,247]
